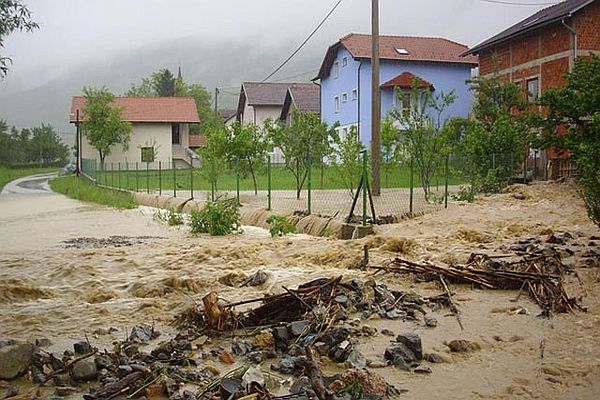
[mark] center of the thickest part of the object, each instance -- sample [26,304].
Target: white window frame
[344,97]
[336,104]
[344,61]
[336,69]
[354,94]
[530,95]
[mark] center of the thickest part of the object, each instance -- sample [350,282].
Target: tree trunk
[253,176]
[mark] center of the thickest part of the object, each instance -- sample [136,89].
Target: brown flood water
[49,290]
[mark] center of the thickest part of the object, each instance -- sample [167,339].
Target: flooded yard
[71,271]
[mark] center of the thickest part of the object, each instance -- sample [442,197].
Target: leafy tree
[46,146]
[347,160]
[306,137]
[390,146]
[14,16]
[248,145]
[214,153]
[153,86]
[102,124]
[37,145]
[495,140]
[423,135]
[576,106]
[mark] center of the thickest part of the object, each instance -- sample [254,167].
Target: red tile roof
[147,109]
[424,49]
[405,80]
[197,140]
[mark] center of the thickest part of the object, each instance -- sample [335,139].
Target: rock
[434,358]
[141,334]
[82,347]
[387,332]
[104,361]
[400,363]
[11,392]
[257,279]
[303,385]
[297,328]
[413,342]
[281,334]
[383,296]
[255,357]
[253,374]
[399,350]
[285,366]
[519,196]
[422,369]
[84,370]
[334,336]
[226,357]
[263,340]
[463,346]
[356,360]
[341,299]
[124,370]
[368,330]
[240,347]
[393,314]
[15,359]
[430,321]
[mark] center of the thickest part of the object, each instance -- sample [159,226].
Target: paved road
[30,185]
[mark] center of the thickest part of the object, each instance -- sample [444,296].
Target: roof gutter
[574,33]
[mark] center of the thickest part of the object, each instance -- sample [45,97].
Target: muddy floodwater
[69,268]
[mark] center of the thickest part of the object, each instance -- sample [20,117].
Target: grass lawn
[10,174]
[281,179]
[80,189]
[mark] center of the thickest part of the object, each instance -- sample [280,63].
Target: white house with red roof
[345,77]
[161,123]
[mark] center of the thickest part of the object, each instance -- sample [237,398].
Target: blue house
[345,77]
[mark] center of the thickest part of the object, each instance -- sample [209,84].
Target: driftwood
[539,274]
[453,306]
[115,389]
[312,370]
[67,366]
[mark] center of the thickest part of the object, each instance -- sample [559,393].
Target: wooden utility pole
[375,100]
[216,99]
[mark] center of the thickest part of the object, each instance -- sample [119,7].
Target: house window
[344,61]
[533,89]
[354,94]
[175,137]
[336,104]
[336,70]
[344,97]
[147,154]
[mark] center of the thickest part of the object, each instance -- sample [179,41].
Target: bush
[464,194]
[217,218]
[171,217]
[280,225]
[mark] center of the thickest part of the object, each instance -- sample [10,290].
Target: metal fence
[326,190]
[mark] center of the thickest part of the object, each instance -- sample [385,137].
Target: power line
[304,42]
[515,3]
[297,75]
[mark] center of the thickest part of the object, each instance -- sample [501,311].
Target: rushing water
[68,268]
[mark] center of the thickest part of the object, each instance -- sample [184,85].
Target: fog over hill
[211,64]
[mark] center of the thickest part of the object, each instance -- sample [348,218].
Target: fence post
[237,180]
[95,172]
[525,166]
[137,179]
[446,183]
[174,179]
[191,178]
[147,177]
[364,188]
[269,182]
[127,174]
[160,178]
[119,178]
[410,204]
[213,180]
[535,152]
[309,194]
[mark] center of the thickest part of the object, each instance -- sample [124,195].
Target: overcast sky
[76,31]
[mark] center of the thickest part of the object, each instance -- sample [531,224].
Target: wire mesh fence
[315,187]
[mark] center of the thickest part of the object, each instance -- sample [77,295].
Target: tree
[390,146]
[247,145]
[495,140]
[576,106]
[422,137]
[14,16]
[37,145]
[102,124]
[306,140]
[46,146]
[158,84]
[346,159]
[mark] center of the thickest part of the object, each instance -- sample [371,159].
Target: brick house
[536,52]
